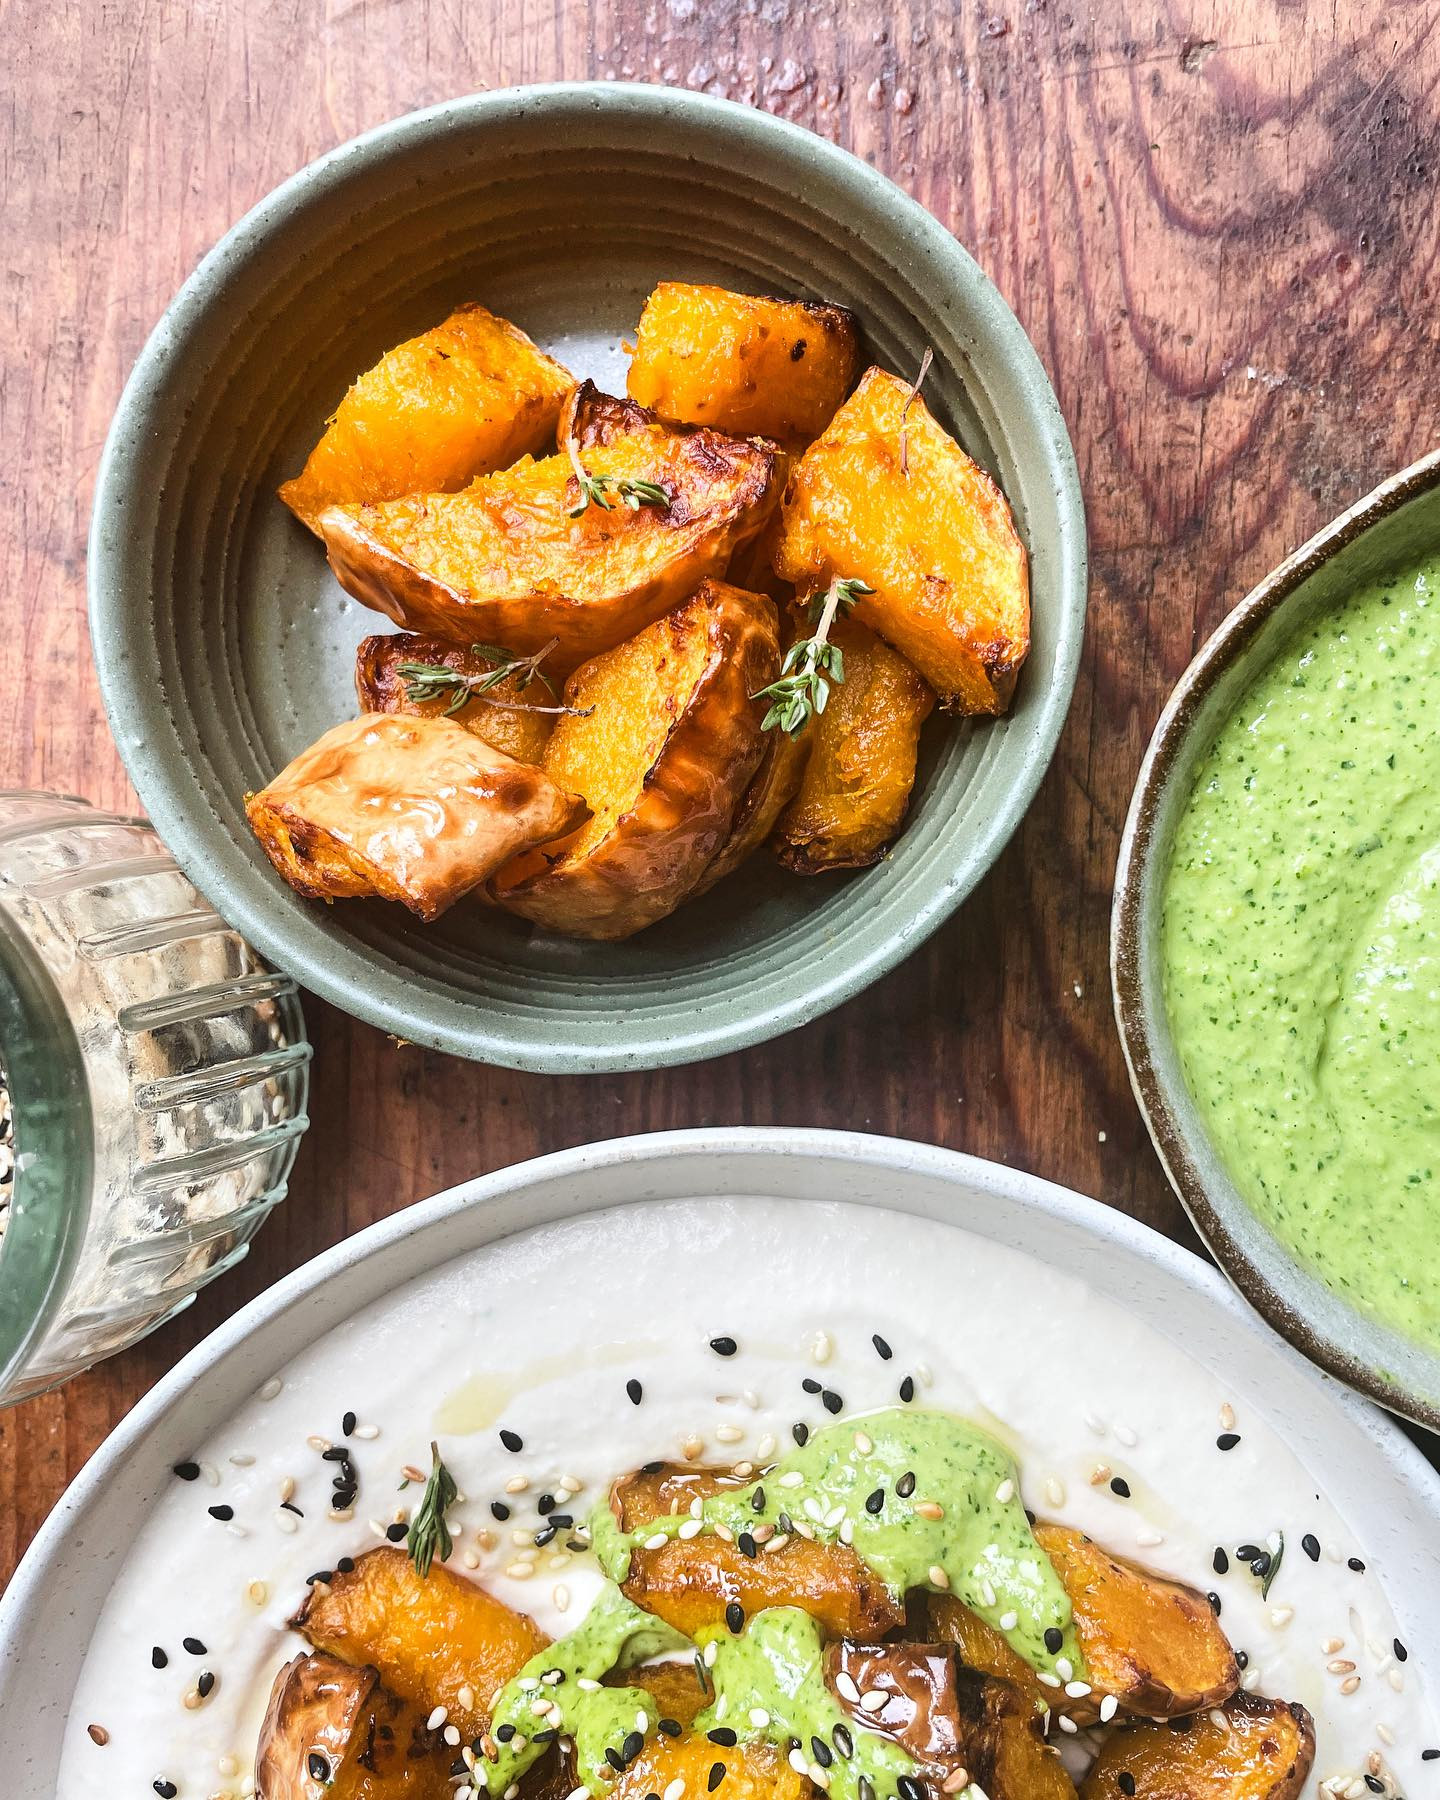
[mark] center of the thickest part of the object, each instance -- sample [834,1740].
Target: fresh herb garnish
[1275,1556]
[911,398]
[428,1530]
[810,664]
[436,681]
[628,491]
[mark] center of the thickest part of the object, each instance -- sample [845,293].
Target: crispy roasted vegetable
[674,1687]
[460,400]
[332,1732]
[1262,1751]
[941,1618]
[745,364]
[506,716]
[669,740]
[855,787]
[772,787]
[1155,1644]
[886,496]
[415,810]
[691,1581]
[752,1771]
[949,1717]
[434,1639]
[506,561]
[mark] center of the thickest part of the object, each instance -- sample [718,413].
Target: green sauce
[1301,935]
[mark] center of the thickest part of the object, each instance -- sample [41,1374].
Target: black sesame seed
[512,1440]
[562,1521]
[158,1658]
[1054,1638]
[223,1513]
[747,1544]
[1214,1600]
[722,1735]
[548,1736]
[652,1795]
[1242,1660]
[1125,1781]
[671,1727]
[187,1471]
[397,1533]
[874,1502]
[715,1777]
[831,1401]
[757,1500]
[504,1733]
[1375,1784]
[499,1510]
[458,1766]
[342,1497]
[544,1535]
[167,1790]
[905,1486]
[1260,1567]
[800,1432]
[347,1424]
[651,1468]
[1220,1562]
[844,1743]
[735,1618]
[907,1394]
[318,1766]
[193,1645]
[1430,1756]
[1355,1563]
[866,1788]
[1310,1544]
[1247,1552]
[783,1524]
[345,1566]
[810,1385]
[545,1505]
[319,1575]
[910,1788]
[822,1752]
[205,1686]
[1119,1485]
[614,1758]
[635,1391]
[723,1346]
[336,1453]
[882,1349]
[290,1507]
[633,1744]
[1227,1440]
[1401,1653]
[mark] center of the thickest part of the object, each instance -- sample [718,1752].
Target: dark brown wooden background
[1217,221]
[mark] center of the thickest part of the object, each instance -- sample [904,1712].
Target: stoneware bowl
[1400,521]
[1382,1487]
[224,646]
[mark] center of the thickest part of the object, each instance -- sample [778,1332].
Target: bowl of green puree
[1275,945]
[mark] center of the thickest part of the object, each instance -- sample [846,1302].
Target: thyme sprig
[811,664]
[436,681]
[595,488]
[428,1531]
[910,399]
[1276,1556]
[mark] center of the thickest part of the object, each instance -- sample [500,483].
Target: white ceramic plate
[1386,1494]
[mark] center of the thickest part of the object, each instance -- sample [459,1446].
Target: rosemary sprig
[911,398]
[811,664]
[434,681]
[629,492]
[428,1531]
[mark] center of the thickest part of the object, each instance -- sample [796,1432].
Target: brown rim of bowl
[1138,850]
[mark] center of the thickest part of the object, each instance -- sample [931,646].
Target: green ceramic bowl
[224,645]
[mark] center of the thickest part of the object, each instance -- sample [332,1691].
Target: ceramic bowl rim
[1131,942]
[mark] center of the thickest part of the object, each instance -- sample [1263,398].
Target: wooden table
[1216,222]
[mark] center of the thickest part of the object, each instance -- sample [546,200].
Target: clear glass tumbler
[158,1075]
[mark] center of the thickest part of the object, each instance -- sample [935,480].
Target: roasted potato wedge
[505,718]
[691,1581]
[753,1771]
[742,363]
[772,787]
[505,562]
[1263,1751]
[332,1732]
[950,1717]
[415,810]
[885,495]
[460,400]
[663,742]
[1155,1644]
[431,1637]
[855,787]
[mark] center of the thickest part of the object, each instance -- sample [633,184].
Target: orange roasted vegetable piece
[429,1636]
[1155,1644]
[772,787]
[745,364]
[415,810]
[504,562]
[662,742]
[752,1771]
[460,400]
[1262,1751]
[332,1732]
[673,1686]
[517,728]
[691,1581]
[855,789]
[941,1618]
[886,496]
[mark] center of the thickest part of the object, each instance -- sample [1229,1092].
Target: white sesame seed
[560,1594]
[821,1777]
[845,1687]
[258,1593]
[729,1434]
[821,1346]
[470,1559]
[1218,1719]
[777,1543]
[1127,1436]
[1341,1666]
[692,1447]
[1384,1733]
[242,1459]
[1100,1473]
[954,1781]
[1108,1708]
[437,1718]
[765,1449]
[1077,1690]
[227,1766]
[722,1530]
[977,1792]
[1148,1540]
[1068,1724]
[987,1594]
[570,1484]
[1330,1645]
[1396,1678]
[742,1469]
[872,1700]
[1227,1417]
[1009,1620]
[642,1719]
[864,1443]
[797,1760]
[675,1789]
[520,1571]
[722,1706]
[925,1374]
[1096,1423]
[1005,1493]
[690,1529]
[513,1791]
[657,1541]
[466,1697]
[931,1509]
[938,1578]
[237,1531]
[759,1718]
[847,1531]
[712,1650]
[539,1708]
[366,1433]
[1049,1680]
[271,1388]
[1064,1668]
[1355,1788]
[520,1537]
[1280,1616]
[322,1444]
[528,1684]
[833,1517]
[579,1793]
[1349,1684]
[1055,1490]
[553,1677]
[804,1530]
[517,1484]
[286,1521]
[792,1478]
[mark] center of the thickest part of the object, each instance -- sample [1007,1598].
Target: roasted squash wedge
[1263,1750]
[436,1640]
[772,787]
[742,363]
[505,717]
[460,400]
[886,496]
[751,1771]
[332,1732]
[505,562]
[662,742]
[855,786]
[1155,1644]
[415,810]
[673,1686]
[941,1618]
[690,1581]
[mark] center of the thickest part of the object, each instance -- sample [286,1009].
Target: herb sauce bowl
[224,645]
[1396,524]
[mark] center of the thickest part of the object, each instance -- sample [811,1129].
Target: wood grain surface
[1217,222]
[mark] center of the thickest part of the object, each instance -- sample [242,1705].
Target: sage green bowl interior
[224,645]
[1399,523]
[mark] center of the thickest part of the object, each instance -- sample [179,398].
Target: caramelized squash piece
[855,787]
[429,1637]
[745,364]
[460,400]
[1155,1644]
[886,495]
[950,1717]
[332,1732]
[772,787]
[663,742]
[519,730]
[753,1771]
[1263,1751]
[690,1582]
[503,561]
[673,1687]
[415,810]
[941,1618]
